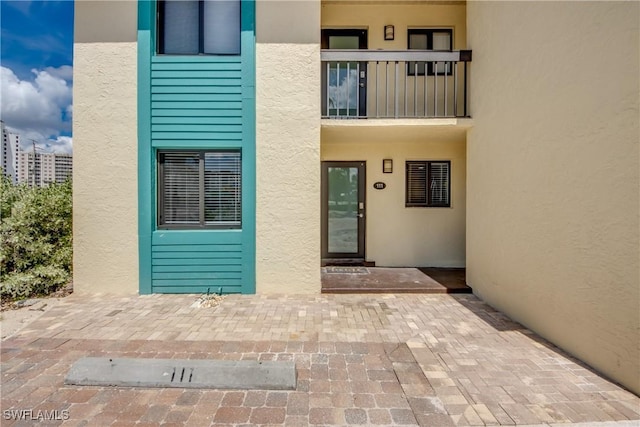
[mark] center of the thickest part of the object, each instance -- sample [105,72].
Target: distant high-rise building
[63,167]
[41,169]
[9,154]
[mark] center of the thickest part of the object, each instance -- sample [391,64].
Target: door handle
[360,215]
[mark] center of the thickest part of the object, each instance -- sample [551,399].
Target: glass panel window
[192,27]
[199,189]
[222,183]
[180,35]
[221,30]
[180,189]
[428,183]
[429,39]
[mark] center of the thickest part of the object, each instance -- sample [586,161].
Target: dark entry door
[344,82]
[343,210]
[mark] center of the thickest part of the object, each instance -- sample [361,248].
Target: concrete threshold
[183,373]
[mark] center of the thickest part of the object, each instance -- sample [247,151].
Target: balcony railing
[360,84]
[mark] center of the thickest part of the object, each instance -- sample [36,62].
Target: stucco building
[256,145]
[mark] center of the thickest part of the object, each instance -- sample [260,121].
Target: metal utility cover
[183,373]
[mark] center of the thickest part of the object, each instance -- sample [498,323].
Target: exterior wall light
[387,166]
[389,31]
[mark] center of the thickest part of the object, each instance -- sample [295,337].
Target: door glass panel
[344,42]
[343,88]
[343,210]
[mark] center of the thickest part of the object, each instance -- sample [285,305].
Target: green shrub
[35,239]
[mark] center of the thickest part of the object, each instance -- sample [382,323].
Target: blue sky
[36,44]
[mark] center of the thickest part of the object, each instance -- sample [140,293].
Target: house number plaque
[379,185]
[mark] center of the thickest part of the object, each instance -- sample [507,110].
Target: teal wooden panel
[206,268]
[194,97]
[197,275]
[195,261]
[235,89]
[195,102]
[197,128]
[231,257]
[222,105]
[146,213]
[192,144]
[183,136]
[190,287]
[200,59]
[195,113]
[196,237]
[236,81]
[196,66]
[204,74]
[197,248]
[190,120]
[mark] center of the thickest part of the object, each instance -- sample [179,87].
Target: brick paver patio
[432,360]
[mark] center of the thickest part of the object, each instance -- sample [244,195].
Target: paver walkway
[432,360]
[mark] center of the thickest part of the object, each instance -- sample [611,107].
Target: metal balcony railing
[360,84]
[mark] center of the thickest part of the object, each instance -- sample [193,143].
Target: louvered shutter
[180,188]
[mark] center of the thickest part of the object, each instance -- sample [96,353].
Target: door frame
[362,212]
[363,41]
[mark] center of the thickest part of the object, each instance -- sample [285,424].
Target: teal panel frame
[248,57]
[147,146]
[146,205]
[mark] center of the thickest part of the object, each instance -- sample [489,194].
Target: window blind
[200,189]
[428,183]
[439,183]
[221,30]
[192,27]
[181,188]
[416,183]
[180,22]
[222,188]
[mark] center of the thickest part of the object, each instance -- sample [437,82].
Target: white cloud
[41,109]
[62,144]
[64,72]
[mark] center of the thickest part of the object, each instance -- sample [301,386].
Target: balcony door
[343,211]
[344,83]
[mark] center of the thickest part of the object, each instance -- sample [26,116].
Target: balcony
[384,84]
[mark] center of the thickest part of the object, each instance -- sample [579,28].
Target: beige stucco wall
[105,194]
[373,16]
[398,236]
[553,174]
[288,146]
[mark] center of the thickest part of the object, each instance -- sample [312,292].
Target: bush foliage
[35,239]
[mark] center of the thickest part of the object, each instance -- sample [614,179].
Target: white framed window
[440,39]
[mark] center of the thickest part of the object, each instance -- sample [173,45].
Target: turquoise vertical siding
[195,102]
